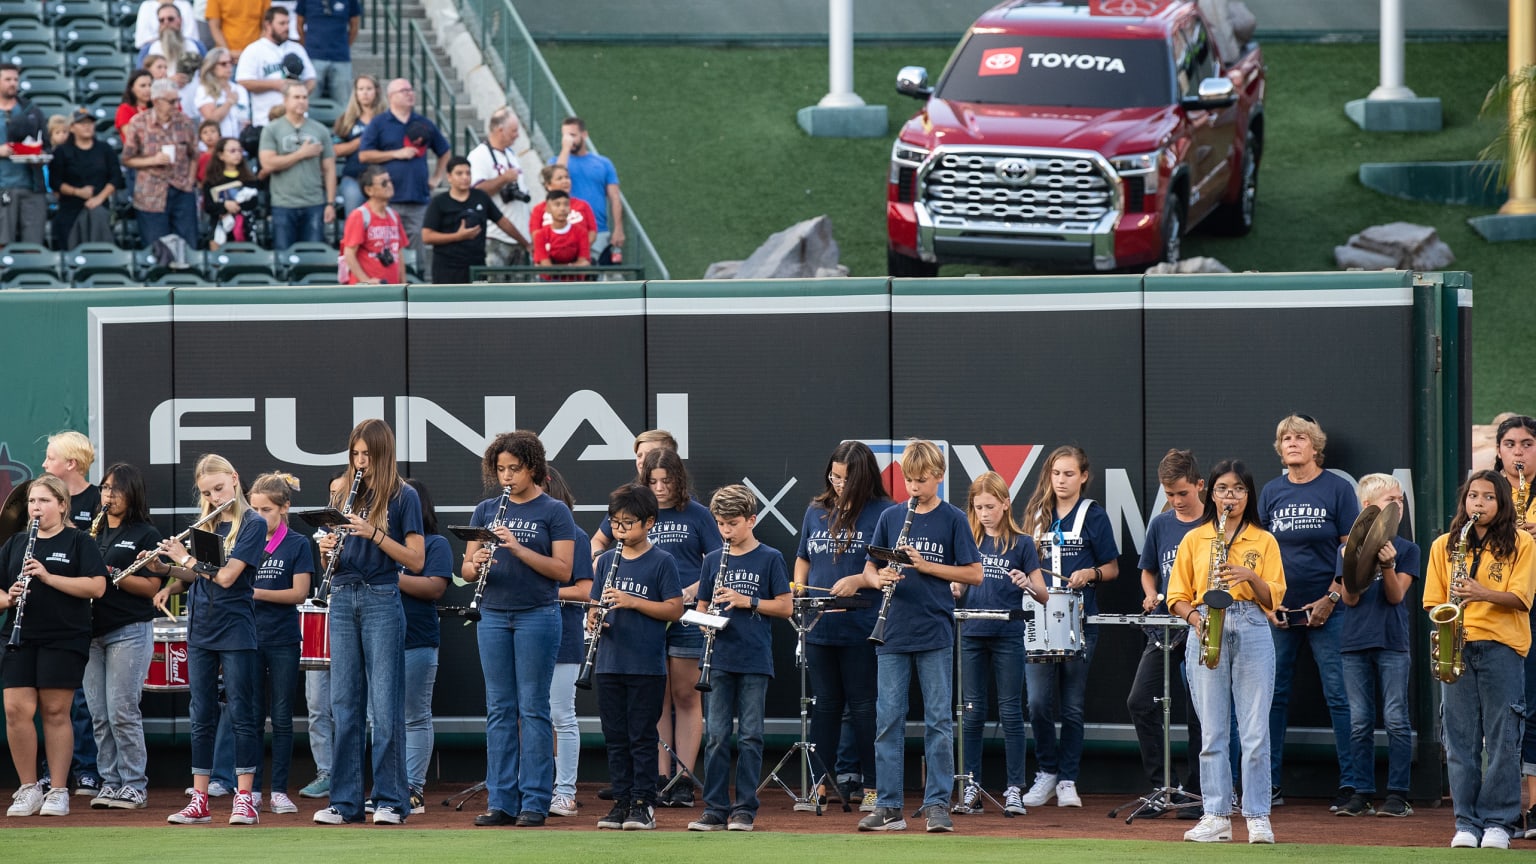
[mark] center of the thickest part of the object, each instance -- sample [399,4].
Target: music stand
[966,779]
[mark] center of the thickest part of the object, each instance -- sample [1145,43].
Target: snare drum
[1054,633]
[168,662]
[315,629]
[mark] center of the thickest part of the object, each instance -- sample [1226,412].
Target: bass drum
[1053,632]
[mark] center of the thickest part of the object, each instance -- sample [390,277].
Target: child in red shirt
[560,242]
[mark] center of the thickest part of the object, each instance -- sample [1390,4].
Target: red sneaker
[244,811]
[195,813]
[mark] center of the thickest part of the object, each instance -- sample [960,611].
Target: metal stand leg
[1162,800]
[803,751]
[682,771]
[464,797]
[964,780]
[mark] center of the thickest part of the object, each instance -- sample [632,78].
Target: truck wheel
[901,266]
[1173,228]
[1236,218]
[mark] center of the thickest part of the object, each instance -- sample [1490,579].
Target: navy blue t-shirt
[830,561]
[513,586]
[635,643]
[1164,534]
[224,619]
[922,611]
[997,590]
[1093,546]
[410,176]
[572,617]
[278,623]
[1307,520]
[363,561]
[325,27]
[421,624]
[687,535]
[746,644]
[1373,622]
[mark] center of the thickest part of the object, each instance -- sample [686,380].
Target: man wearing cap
[161,145]
[84,174]
[269,63]
[23,203]
[297,155]
[399,139]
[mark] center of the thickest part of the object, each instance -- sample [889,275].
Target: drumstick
[167,612]
[799,586]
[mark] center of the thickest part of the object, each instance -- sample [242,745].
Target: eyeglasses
[836,480]
[402,90]
[107,489]
[1229,491]
[623,524]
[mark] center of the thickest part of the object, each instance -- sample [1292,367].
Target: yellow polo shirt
[1515,574]
[1254,548]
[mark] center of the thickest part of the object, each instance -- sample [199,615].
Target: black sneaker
[418,802]
[614,821]
[1357,805]
[884,819]
[605,793]
[1341,798]
[1530,821]
[682,794]
[708,822]
[1397,805]
[1276,797]
[530,819]
[368,805]
[938,820]
[741,821]
[494,819]
[87,783]
[1189,813]
[641,817]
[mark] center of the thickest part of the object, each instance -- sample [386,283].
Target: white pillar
[840,54]
[1392,39]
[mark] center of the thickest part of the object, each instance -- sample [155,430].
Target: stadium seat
[89,32]
[38,84]
[24,31]
[62,12]
[304,259]
[325,111]
[12,11]
[93,259]
[152,272]
[248,279]
[52,103]
[108,280]
[180,280]
[233,259]
[89,57]
[20,258]
[29,56]
[32,280]
[97,83]
[316,279]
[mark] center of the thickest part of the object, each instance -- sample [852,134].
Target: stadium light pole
[1522,159]
[841,113]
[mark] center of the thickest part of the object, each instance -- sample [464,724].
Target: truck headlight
[1139,165]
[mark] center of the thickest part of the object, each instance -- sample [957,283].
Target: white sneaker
[328,816]
[281,803]
[217,789]
[1494,837]
[1464,840]
[256,801]
[1066,794]
[1259,830]
[1210,829]
[1013,801]
[56,803]
[1043,790]
[26,802]
[387,816]
[562,805]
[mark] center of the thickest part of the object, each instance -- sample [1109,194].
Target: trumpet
[473,611]
[1450,634]
[715,608]
[1217,598]
[877,635]
[138,565]
[26,587]
[589,662]
[323,593]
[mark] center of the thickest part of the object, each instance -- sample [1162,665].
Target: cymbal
[1352,556]
[1381,533]
[13,517]
[1360,562]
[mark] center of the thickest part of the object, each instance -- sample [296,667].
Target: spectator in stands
[297,154]
[269,63]
[236,23]
[230,194]
[23,198]
[171,41]
[493,169]
[135,98]
[560,242]
[208,136]
[84,174]
[557,177]
[361,109]
[220,98]
[188,77]
[593,180]
[327,29]
[147,26]
[157,66]
[161,145]
[58,131]
[399,139]
[373,242]
[455,226]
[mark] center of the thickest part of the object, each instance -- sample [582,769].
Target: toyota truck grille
[1017,188]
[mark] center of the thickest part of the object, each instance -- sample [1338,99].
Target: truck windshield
[1011,69]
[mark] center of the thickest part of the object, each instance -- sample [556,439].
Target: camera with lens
[513,192]
[386,257]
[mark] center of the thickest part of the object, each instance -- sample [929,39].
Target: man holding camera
[493,170]
[268,64]
[455,226]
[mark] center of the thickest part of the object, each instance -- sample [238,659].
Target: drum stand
[1161,800]
[682,771]
[464,797]
[966,780]
[807,801]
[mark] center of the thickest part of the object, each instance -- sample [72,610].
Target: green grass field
[367,846]
[708,151]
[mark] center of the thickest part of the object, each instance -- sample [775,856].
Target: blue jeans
[240,688]
[517,652]
[1000,658]
[333,80]
[179,218]
[114,681]
[562,715]
[292,225]
[1528,744]
[1242,682]
[843,679]
[367,679]
[1362,671]
[1061,758]
[84,757]
[1486,706]
[351,192]
[1325,651]
[740,697]
[317,694]
[934,670]
[277,667]
[420,677]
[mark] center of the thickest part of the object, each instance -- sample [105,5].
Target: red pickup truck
[1077,134]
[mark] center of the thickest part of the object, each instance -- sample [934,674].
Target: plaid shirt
[144,136]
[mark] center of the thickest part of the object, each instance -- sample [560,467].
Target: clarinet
[473,612]
[703,685]
[877,635]
[322,596]
[26,585]
[589,662]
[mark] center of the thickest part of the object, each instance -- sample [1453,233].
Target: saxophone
[1522,495]
[1217,598]
[1450,634]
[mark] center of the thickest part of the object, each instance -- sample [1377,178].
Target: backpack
[343,272]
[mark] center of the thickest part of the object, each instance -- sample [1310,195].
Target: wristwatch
[754,604]
[1335,596]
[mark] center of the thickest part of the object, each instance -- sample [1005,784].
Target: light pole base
[1419,114]
[863,121]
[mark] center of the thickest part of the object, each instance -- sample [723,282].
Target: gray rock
[1198,264]
[1434,256]
[723,270]
[1395,236]
[1355,258]
[800,251]
[1395,245]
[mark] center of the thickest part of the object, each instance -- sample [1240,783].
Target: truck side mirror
[913,81]
[1213,93]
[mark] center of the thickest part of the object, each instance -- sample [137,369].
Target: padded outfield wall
[759,381]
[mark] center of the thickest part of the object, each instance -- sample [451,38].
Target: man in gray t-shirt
[297,155]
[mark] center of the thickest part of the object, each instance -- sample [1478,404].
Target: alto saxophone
[1450,634]
[1217,598]
[1522,495]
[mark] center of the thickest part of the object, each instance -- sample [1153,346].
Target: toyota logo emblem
[1016,172]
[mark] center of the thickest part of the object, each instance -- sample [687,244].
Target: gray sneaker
[128,798]
[883,819]
[320,787]
[938,819]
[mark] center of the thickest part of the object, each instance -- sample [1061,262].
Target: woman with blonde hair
[362,107]
[219,97]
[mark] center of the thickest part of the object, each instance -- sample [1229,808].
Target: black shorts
[46,666]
